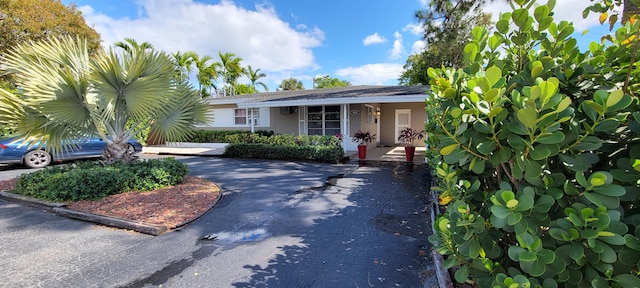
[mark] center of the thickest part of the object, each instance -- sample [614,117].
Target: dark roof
[327,93]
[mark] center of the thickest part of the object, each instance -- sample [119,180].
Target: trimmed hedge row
[219,136]
[284,139]
[92,180]
[331,154]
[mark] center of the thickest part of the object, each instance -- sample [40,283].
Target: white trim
[418,98]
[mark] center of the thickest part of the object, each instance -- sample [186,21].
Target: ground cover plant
[90,180]
[536,148]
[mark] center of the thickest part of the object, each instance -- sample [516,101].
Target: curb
[59,209]
[444,279]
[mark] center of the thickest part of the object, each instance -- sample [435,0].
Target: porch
[389,154]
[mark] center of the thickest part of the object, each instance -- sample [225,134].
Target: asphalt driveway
[279,224]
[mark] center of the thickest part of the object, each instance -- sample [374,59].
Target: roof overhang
[417,98]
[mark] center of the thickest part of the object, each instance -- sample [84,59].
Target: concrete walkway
[279,224]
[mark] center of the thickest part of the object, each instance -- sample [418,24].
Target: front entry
[403,120]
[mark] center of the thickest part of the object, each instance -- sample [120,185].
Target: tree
[327,81]
[24,20]
[231,70]
[447,29]
[184,63]
[244,89]
[630,8]
[207,74]
[68,94]
[254,76]
[130,45]
[291,84]
[536,145]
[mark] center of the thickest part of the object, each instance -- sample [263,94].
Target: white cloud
[570,10]
[373,39]
[372,74]
[414,28]
[398,49]
[418,46]
[207,29]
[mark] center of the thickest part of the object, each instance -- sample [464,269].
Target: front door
[403,120]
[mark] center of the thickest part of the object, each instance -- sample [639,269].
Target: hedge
[219,136]
[331,154]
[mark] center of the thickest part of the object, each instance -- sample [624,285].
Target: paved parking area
[279,224]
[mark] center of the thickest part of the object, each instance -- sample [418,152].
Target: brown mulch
[170,206]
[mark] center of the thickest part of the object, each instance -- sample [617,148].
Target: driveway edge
[59,208]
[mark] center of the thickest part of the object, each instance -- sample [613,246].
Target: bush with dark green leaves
[331,154]
[220,136]
[94,180]
[536,148]
[285,147]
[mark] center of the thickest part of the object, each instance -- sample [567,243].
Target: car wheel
[131,150]
[37,159]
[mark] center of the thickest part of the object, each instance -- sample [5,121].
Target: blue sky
[363,42]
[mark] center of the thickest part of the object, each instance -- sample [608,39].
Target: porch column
[250,111]
[345,126]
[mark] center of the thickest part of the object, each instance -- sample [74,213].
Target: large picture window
[242,116]
[323,120]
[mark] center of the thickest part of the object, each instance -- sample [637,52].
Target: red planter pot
[362,152]
[409,151]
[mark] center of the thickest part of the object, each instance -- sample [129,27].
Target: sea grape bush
[536,149]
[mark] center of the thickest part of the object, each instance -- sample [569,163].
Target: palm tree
[130,45]
[207,74]
[184,63]
[68,94]
[231,70]
[291,84]
[254,76]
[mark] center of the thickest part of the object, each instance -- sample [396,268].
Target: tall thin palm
[231,69]
[207,73]
[184,63]
[130,45]
[68,94]
[254,76]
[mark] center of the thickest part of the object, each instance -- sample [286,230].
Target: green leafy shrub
[331,154]
[220,136]
[537,155]
[93,180]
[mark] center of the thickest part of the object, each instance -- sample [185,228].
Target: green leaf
[546,256]
[448,149]
[470,52]
[576,251]
[493,74]
[461,275]
[527,256]
[514,218]
[486,147]
[553,138]
[500,211]
[602,200]
[607,125]
[614,98]
[610,190]
[528,117]
[627,280]
[503,26]
[600,178]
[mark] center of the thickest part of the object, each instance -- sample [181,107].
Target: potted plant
[363,138]
[407,137]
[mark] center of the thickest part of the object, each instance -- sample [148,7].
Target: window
[369,110]
[323,120]
[242,117]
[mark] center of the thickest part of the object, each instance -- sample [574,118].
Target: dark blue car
[12,151]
